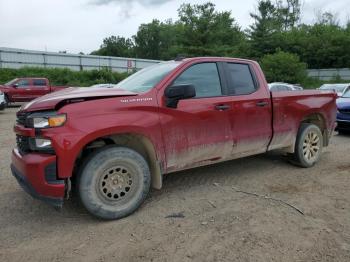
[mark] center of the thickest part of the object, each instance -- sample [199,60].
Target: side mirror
[15,85]
[176,93]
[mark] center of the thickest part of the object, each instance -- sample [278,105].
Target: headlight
[48,121]
[40,122]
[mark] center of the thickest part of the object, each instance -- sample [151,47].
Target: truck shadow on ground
[227,172]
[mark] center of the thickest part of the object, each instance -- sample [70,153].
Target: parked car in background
[338,88]
[103,85]
[2,101]
[277,86]
[27,88]
[343,114]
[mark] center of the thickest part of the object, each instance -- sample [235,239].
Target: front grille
[23,144]
[345,111]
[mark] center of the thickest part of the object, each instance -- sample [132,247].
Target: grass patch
[64,76]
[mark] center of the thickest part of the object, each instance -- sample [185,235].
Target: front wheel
[308,146]
[113,182]
[7,101]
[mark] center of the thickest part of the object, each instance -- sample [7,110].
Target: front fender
[81,129]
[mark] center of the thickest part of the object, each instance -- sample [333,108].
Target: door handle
[262,103]
[222,107]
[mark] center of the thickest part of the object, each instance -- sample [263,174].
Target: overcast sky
[81,25]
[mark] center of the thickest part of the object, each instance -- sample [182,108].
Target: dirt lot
[219,223]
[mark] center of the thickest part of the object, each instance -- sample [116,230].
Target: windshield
[147,78]
[346,94]
[11,82]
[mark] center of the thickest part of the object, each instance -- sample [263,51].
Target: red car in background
[27,88]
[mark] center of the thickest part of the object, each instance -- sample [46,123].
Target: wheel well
[139,143]
[318,120]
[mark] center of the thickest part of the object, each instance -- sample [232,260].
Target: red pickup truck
[26,89]
[113,144]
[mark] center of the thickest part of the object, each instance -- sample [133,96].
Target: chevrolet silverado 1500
[115,143]
[27,89]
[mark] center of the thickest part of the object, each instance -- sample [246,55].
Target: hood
[343,103]
[73,94]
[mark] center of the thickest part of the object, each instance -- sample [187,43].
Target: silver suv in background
[278,86]
[338,88]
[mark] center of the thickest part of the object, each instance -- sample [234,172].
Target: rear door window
[39,82]
[240,79]
[204,77]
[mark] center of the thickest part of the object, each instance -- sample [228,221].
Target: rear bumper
[36,174]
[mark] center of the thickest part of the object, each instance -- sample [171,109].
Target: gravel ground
[218,224]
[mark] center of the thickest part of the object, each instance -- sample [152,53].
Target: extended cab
[26,89]
[115,143]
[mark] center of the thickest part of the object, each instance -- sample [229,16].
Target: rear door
[40,87]
[251,114]
[198,131]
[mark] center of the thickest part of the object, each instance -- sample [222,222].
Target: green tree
[116,46]
[288,12]
[327,18]
[156,40]
[264,28]
[283,67]
[319,45]
[206,31]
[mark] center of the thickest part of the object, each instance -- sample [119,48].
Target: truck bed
[292,107]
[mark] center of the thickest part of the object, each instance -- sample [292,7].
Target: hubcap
[115,183]
[311,146]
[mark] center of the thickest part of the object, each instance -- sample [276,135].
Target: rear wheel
[113,182]
[308,146]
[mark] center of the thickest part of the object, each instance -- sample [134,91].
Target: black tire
[308,145]
[7,101]
[343,132]
[113,182]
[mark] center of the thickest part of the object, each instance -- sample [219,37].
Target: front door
[198,131]
[22,90]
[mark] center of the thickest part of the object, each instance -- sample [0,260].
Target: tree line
[201,30]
